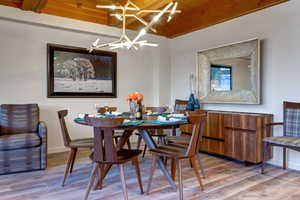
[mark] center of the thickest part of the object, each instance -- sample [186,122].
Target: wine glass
[170,108]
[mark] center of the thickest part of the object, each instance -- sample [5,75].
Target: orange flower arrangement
[137,96]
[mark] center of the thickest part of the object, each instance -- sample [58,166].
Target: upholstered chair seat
[284,140]
[19,141]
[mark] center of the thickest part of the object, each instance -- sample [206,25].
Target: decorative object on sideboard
[130,10]
[74,72]
[230,74]
[193,103]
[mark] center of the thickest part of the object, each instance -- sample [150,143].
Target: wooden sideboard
[236,135]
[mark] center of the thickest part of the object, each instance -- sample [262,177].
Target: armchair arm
[42,132]
[274,124]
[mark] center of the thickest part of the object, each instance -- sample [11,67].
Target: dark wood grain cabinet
[236,135]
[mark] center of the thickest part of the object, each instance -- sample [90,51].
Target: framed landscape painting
[74,72]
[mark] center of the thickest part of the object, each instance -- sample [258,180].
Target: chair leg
[152,170]
[264,156]
[116,140]
[173,169]
[145,149]
[68,166]
[122,176]
[191,164]
[139,142]
[196,170]
[73,160]
[92,180]
[138,174]
[284,158]
[179,174]
[200,165]
[128,144]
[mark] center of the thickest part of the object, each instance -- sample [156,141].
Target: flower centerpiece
[135,105]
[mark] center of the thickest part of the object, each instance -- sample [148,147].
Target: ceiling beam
[12,3]
[34,5]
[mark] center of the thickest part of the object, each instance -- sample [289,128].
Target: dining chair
[291,133]
[180,105]
[118,133]
[185,135]
[176,152]
[74,145]
[106,152]
[159,134]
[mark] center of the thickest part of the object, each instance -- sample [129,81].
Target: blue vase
[191,104]
[197,105]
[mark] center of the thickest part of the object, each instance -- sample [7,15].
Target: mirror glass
[231,74]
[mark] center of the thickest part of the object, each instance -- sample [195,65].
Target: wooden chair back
[105,109]
[66,137]
[180,105]
[104,147]
[198,123]
[157,109]
[188,128]
[291,117]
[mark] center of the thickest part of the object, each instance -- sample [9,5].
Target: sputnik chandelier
[130,10]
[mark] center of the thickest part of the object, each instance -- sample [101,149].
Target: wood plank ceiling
[196,14]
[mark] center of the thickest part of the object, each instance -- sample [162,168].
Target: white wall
[279,28]
[23,56]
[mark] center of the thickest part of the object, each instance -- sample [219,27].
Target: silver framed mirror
[230,73]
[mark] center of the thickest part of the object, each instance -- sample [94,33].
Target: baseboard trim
[290,165]
[57,150]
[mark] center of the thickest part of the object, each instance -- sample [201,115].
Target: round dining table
[143,129]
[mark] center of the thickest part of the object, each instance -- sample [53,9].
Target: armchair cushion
[284,140]
[19,141]
[19,118]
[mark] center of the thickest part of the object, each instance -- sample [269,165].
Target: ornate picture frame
[206,58]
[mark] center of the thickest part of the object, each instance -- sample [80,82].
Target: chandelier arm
[156,18]
[124,40]
[156,11]
[144,22]
[118,16]
[153,21]
[134,5]
[127,38]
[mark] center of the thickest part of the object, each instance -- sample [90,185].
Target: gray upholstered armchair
[23,139]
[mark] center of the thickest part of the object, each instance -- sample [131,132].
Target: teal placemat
[157,114]
[165,122]
[183,117]
[79,119]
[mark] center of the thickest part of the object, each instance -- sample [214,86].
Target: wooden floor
[226,180]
